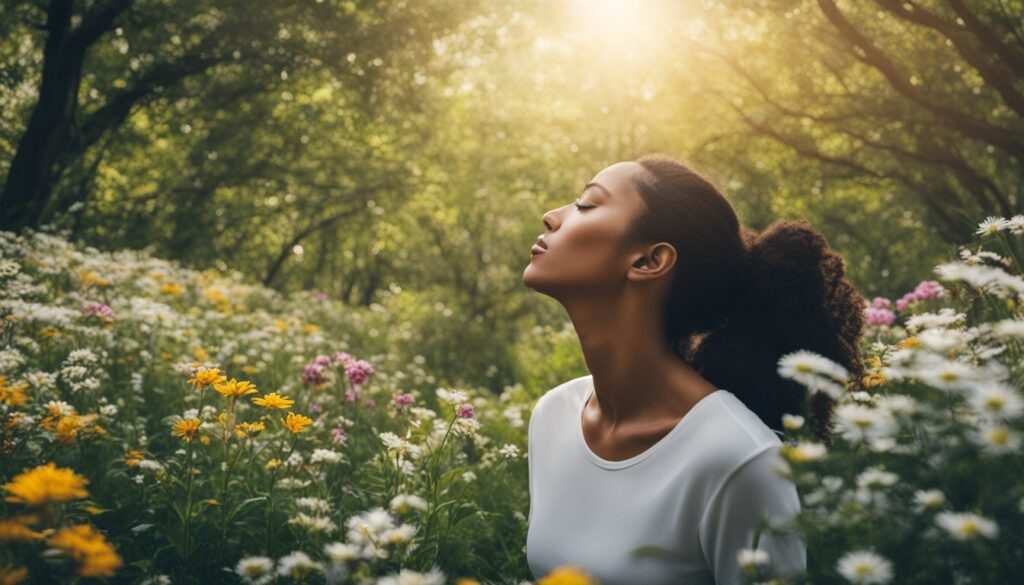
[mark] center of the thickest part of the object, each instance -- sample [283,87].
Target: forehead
[618,178]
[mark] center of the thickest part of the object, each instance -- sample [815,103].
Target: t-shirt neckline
[607,464]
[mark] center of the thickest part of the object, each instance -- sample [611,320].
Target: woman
[682,315]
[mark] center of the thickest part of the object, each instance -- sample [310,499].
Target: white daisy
[966,525]
[296,564]
[804,451]
[751,558]
[402,503]
[874,477]
[410,577]
[864,566]
[946,317]
[1008,328]
[255,570]
[995,400]
[1016,224]
[996,438]
[816,372]
[792,421]
[929,499]
[861,423]
[992,224]
[340,551]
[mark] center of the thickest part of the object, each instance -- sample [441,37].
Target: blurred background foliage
[398,155]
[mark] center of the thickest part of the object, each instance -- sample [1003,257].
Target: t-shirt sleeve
[752,490]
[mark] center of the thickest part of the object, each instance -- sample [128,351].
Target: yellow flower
[187,428]
[467,581]
[91,552]
[296,422]
[872,380]
[171,288]
[247,429]
[235,388]
[132,458]
[204,439]
[90,278]
[200,353]
[12,575]
[250,369]
[275,462]
[12,395]
[908,342]
[280,324]
[310,328]
[49,332]
[567,575]
[205,377]
[16,529]
[273,400]
[45,484]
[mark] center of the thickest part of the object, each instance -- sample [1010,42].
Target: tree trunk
[30,177]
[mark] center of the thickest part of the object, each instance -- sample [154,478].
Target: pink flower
[880,303]
[320,296]
[370,404]
[322,360]
[359,371]
[338,435]
[314,375]
[343,357]
[879,316]
[925,289]
[352,394]
[403,399]
[105,313]
[314,407]
[465,411]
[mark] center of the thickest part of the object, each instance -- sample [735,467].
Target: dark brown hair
[740,300]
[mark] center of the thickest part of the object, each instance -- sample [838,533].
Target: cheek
[591,251]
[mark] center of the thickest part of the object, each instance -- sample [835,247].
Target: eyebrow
[588,185]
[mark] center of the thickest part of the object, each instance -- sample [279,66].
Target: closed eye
[578,206]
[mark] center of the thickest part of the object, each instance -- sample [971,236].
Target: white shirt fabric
[697,493]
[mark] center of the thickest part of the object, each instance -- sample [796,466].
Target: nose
[550,220]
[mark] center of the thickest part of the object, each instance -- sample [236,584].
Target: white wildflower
[966,525]
[296,564]
[864,566]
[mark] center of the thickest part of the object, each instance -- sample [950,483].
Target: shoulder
[729,435]
[564,395]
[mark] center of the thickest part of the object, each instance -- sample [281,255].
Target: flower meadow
[165,425]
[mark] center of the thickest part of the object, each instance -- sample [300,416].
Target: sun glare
[617,27]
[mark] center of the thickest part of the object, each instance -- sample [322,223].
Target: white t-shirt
[696,492]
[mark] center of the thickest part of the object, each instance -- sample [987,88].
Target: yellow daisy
[186,428]
[45,484]
[566,575]
[296,422]
[273,400]
[248,429]
[205,377]
[236,388]
[91,552]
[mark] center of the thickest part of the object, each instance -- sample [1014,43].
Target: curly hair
[739,300]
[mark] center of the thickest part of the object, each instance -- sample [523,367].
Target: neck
[636,375]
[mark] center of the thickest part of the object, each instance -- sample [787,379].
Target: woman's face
[581,251]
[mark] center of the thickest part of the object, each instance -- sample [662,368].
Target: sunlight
[615,29]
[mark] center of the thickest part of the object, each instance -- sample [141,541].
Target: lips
[540,246]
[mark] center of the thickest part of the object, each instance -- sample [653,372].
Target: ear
[654,263]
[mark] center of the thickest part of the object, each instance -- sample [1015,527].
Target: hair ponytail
[742,299]
[795,296]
